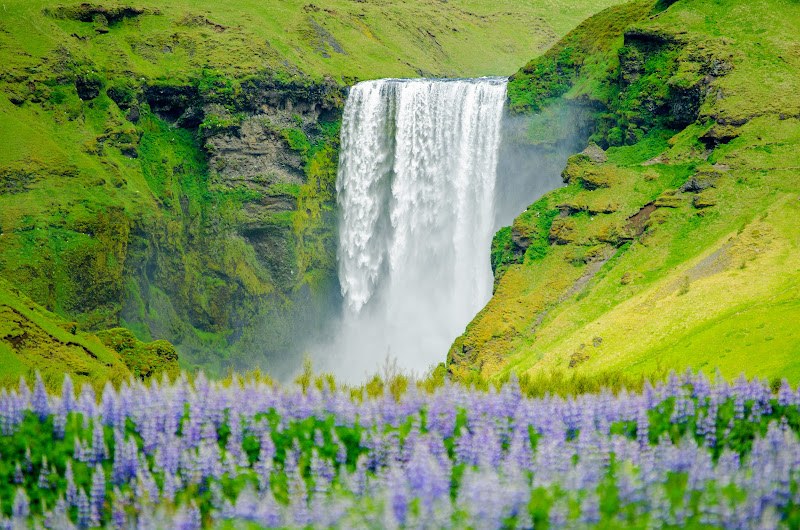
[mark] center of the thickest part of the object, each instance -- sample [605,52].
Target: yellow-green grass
[33,339]
[714,280]
[337,38]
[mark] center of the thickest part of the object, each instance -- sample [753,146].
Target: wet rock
[595,153]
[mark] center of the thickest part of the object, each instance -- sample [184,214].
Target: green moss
[34,339]
[296,140]
[589,49]
[144,360]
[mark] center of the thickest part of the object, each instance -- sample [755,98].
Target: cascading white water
[416,192]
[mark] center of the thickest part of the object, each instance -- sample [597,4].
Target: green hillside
[170,167]
[337,38]
[33,340]
[676,239]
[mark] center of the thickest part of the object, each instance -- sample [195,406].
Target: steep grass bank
[34,340]
[674,242]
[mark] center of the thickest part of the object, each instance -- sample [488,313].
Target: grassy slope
[714,280]
[337,38]
[32,338]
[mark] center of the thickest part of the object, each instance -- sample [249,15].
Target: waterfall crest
[415,188]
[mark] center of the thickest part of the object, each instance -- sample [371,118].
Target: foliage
[199,454]
[33,340]
[144,360]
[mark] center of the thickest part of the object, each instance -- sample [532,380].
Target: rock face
[253,261]
[211,226]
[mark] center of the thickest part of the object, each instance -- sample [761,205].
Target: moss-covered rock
[145,360]
[33,339]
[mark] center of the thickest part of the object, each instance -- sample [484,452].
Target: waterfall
[415,189]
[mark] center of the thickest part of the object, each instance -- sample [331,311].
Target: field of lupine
[689,452]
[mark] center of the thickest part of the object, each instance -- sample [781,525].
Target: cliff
[673,241]
[170,168]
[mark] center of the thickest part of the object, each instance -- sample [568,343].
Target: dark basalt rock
[702,181]
[648,36]
[719,135]
[133,115]
[169,102]
[86,12]
[88,88]
[684,105]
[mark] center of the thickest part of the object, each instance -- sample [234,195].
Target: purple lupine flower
[44,475]
[72,490]
[268,513]
[246,506]
[785,394]
[87,402]
[322,472]
[590,509]
[298,499]
[425,478]
[397,493]
[171,487]
[19,478]
[187,518]
[108,404]
[84,509]
[118,516]
[99,450]
[673,385]
[98,489]
[520,454]
[58,516]
[78,451]
[643,427]
[39,399]
[22,506]
[68,394]
[755,412]
[683,409]
[341,449]
[59,421]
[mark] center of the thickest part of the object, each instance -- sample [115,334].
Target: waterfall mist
[416,187]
